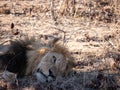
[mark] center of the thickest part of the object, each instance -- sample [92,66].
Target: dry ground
[93,39]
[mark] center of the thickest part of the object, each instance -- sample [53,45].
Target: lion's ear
[53,42]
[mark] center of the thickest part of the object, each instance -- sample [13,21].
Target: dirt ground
[92,35]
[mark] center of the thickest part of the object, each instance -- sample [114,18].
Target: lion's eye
[54,59]
[38,70]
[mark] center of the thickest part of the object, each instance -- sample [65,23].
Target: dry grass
[89,28]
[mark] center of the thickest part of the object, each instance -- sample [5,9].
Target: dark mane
[15,59]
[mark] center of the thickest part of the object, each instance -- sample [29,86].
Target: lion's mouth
[44,78]
[42,74]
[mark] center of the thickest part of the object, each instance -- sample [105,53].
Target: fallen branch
[4,42]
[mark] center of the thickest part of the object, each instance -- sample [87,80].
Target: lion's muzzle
[40,76]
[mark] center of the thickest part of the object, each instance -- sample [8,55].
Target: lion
[45,59]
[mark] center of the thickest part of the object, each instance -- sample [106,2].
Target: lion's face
[52,64]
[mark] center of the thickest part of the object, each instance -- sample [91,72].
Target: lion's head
[51,61]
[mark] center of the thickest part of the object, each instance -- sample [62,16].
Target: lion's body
[45,60]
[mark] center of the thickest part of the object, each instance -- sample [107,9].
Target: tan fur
[34,59]
[64,51]
[42,57]
[42,51]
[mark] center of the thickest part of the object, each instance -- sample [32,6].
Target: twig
[52,10]
[64,33]
[59,29]
[63,7]
[73,8]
